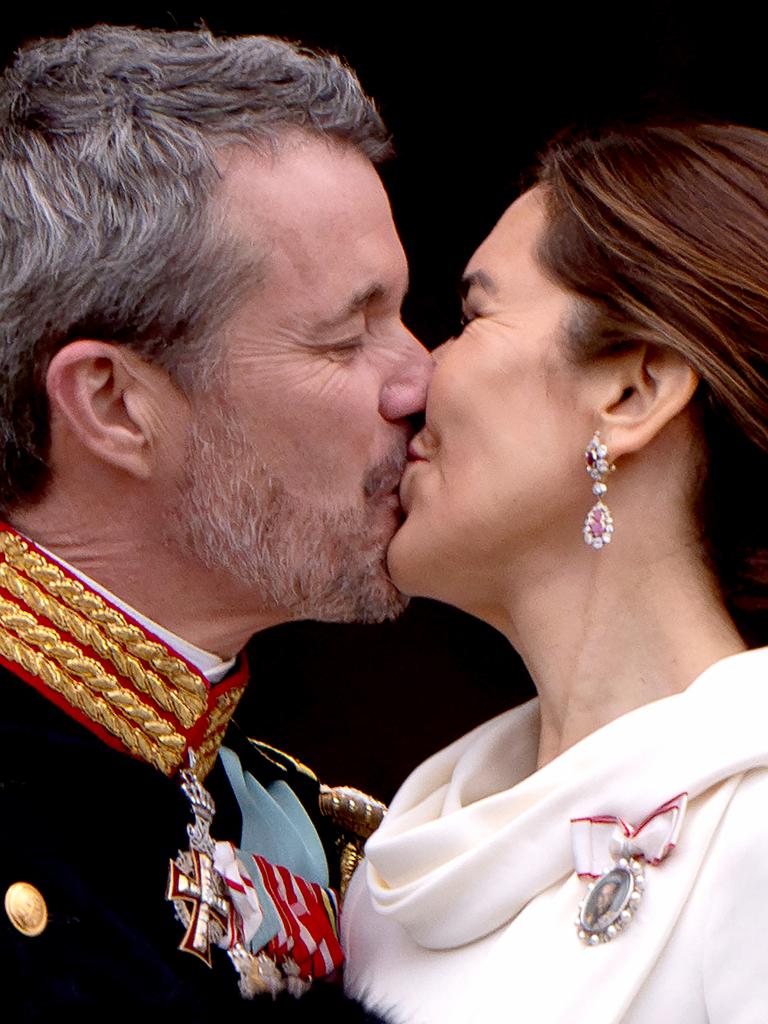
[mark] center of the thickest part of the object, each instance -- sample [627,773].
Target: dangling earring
[598,526]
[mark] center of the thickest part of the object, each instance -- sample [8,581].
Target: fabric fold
[476,855]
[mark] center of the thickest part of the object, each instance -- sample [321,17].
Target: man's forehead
[321,220]
[308,184]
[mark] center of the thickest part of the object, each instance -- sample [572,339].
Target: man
[204,409]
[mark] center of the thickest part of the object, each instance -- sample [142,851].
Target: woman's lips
[417,456]
[414,453]
[407,483]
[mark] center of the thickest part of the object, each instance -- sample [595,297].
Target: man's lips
[384,479]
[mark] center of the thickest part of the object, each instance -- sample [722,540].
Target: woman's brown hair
[663,230]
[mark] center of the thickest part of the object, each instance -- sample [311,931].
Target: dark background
[470,98]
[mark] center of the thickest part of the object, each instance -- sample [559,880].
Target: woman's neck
[635,631]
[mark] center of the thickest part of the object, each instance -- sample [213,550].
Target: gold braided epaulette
[103,668]
[357,816]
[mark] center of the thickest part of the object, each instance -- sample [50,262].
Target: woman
[620,306]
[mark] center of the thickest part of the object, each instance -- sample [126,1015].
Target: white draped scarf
[471,890]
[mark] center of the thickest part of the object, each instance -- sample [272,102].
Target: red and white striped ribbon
[599,841]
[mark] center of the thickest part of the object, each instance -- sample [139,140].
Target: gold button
[26,908]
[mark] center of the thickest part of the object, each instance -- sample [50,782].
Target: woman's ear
[646,386]
[110,401]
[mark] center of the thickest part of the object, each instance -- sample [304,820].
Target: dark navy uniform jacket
[93,829]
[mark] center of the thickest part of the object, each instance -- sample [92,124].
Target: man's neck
[152,582]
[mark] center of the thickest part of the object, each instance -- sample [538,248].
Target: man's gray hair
[108,143]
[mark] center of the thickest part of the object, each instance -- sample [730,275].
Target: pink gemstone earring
[598,526]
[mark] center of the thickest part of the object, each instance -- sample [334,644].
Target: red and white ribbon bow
[600,841]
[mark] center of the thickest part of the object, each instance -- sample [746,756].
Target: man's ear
[643,388]
[111,401]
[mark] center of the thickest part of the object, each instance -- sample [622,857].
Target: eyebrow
[356,303]
[479,279]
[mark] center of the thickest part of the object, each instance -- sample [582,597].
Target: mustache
[384,477]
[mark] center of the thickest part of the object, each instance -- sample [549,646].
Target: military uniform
[99,721]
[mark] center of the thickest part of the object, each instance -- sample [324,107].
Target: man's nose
[404,393]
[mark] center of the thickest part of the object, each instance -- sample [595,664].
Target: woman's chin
[409,564]
[415,563]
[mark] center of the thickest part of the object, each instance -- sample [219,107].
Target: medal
[219,904]
[203,903]
[611,853]
[610,902]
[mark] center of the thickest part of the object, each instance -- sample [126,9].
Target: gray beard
[307,562]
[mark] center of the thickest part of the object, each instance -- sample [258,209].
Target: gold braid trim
[220,716]
[74,594]
[352,810]
[89,634]
[358,816]
[352,853]
[78,695]
[95,678]
[297,764]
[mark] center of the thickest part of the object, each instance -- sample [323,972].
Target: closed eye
[342,350]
